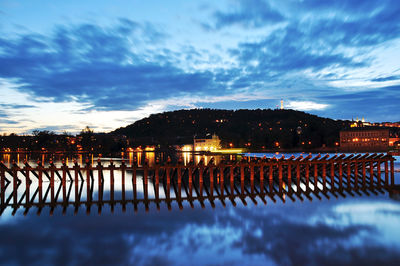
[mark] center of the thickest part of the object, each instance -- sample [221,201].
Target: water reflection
[358,229]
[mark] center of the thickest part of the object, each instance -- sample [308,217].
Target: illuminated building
[360,123]
[207,144]
[364,139]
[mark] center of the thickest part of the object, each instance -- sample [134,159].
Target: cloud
[256,13]
[388,78]
[115,68]
[306,105]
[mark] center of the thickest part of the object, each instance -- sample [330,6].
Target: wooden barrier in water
[293,178]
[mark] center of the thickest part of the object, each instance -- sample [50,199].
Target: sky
[65,65]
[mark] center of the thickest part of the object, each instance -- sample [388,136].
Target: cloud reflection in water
[344,231]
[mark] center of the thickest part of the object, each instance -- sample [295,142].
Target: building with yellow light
[207,144]
[364,139]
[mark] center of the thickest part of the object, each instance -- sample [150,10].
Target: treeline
[255,129]
[49,141]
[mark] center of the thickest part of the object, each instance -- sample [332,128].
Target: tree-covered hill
[255,129]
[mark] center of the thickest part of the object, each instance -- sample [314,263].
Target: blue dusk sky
[106,64]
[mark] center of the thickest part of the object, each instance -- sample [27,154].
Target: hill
[256,129]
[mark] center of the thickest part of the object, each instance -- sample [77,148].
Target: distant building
[207,144]
[364,139]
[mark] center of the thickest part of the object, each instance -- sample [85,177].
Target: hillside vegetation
[256,129]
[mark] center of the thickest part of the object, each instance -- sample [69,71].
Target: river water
[355,230]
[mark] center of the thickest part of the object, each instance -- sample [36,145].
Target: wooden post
[179,174]
[251,178]
[190,180]
[15,184]
[280,176]
[340,174]
[324,176]
[386,174]
[271,169]
[232,181]
[221,179]
[262,178]
[363,169]
[242,178]
[356,174]
[112,184]
[316,177]
[99,179]
[298,177]
[27,185]
[3,185]
[123,168]
[371,174]
[40,182]
[392,172]
[349,175]
[307,176]
[332,176]
[157,179]
[145,183]
[52,167]
[88,193]
[211,181]
[379,173]
[201,171]
[167,168]
[64,181]
[289,177]
[76,182]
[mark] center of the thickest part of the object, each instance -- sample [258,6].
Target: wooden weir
[295,178]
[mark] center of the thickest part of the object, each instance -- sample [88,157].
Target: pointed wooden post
[87,169]
[76,169]
[40,181]
[27,185]
[99,180]
[64,181]
[14,170]
[52,167]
